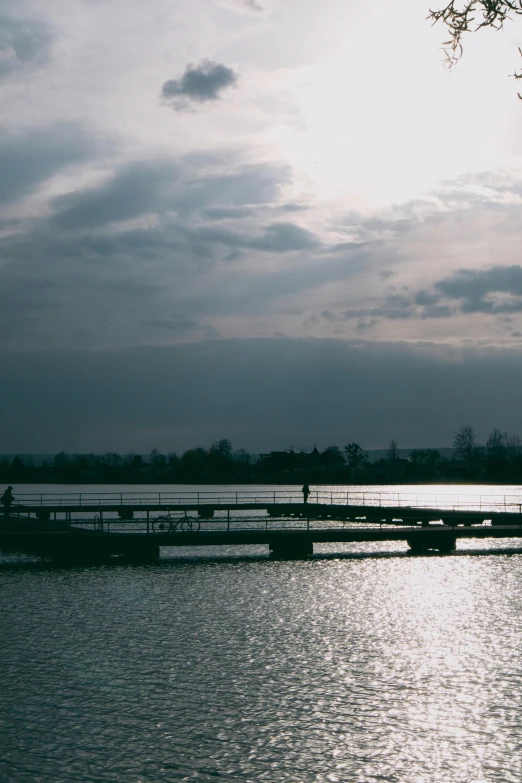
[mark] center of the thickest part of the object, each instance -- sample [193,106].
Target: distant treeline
[499,460]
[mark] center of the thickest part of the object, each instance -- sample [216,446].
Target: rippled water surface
[359,669]
[362,664]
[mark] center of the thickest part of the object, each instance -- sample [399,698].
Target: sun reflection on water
[357,668]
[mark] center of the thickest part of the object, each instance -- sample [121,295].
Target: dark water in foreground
[373,666]
[357,669]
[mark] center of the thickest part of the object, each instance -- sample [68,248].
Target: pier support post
[290,548]
[424,542]
[74,552]
[97,550]
[145,553]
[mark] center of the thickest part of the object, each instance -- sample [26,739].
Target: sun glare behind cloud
[384,119]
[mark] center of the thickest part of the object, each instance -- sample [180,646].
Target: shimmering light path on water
[400,669]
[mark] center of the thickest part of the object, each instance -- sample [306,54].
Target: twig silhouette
[461,17]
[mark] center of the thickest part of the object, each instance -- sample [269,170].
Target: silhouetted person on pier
[306,491]
[7,500]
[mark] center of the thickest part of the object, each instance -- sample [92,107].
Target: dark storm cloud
[258,292]
[129,248]
[27,159]
[134,190]
[101,280]
[424,298]
[226,213]
[80,271]
[23,42]
[294,207]
[283,237]
[262,394]
[476,289]
[78,240]
[491,291]
[245,185]
[114,284]
[161,186]
[437,311]
[199,83]
[494,290]
[274,238]
[206,223]
[393,307]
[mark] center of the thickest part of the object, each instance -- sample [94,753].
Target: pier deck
[94,528]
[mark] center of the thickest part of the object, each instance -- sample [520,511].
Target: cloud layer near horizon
[261,394]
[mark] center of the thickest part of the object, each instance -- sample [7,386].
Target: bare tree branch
[465,16]
[519,74]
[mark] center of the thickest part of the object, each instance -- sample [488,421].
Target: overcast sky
[279,221]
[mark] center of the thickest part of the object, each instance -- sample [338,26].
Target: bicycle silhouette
[172,524]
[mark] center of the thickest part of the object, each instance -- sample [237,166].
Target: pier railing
[365,497]
[231,524]
[239,523]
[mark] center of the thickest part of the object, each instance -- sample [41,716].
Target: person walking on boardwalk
[7,500]
[306,491]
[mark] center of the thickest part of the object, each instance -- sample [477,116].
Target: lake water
[362,664]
